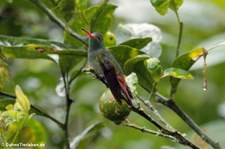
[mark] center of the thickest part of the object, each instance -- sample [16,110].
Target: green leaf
[92,128]
[139,64]
[122,53]
[155,68]
[132,82]
[66,9]
[14,47]
[4,103]
[68,62]
[22,99]
[185,62]
[130,64]
[101,20]
[33,132]
[175,4]
[4,73]
[177,73]
[8,41]
[96,18]
[161,6]
[137,43]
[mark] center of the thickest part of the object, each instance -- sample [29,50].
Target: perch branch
[172,105]
[143,129]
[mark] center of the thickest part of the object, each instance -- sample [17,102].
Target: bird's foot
[96,75]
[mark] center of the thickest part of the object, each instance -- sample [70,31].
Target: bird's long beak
[88,33]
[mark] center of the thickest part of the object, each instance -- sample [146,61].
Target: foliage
[36,53]
[16,126]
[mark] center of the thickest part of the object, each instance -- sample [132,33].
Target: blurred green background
[204,25]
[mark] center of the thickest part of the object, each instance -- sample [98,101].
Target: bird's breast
[93,61]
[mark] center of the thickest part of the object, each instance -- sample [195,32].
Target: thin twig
[148,104]
[143,129]
[68,105]
[56,20]
[40,112]
[172,105]
[175,134]
[180,33]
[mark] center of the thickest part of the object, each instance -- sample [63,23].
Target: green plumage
[97,53]
[105,67]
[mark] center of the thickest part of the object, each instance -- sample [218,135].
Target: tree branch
[40,112]
[68,105]
[143,129]
[175,134]
[148,104]
[172,105]
[56,20]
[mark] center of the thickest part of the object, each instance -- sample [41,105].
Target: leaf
[4,73]
[66,9]
[68,62]
[139,65]
[177,73]
[132,82]
[122,53]
[22,99]
[155,68]
[84,133]
[185,62]
[13,47]
[162,6]
[85,20]
[130,64]
[29,52]
[19,41]
[141,31]
[101,20]
[175,4]
[4,103]
[137,43]
[33,132]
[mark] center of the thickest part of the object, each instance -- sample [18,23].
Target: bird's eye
[99,38]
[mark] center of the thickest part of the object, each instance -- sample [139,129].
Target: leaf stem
[180,33]
[56,20]
[172,105]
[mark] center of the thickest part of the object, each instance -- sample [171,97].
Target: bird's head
[95,39]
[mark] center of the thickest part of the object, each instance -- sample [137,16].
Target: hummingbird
[106,68]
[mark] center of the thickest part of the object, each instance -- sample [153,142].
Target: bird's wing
[116,83]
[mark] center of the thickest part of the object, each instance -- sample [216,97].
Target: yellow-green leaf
[155,68]
[4,73]
[22,99]
[177,73]
[185,62]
